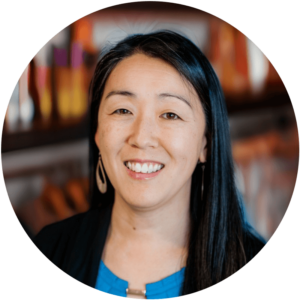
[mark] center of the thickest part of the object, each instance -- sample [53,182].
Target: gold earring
[202,165]
[102,186]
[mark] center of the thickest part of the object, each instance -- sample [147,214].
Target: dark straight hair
[217,234]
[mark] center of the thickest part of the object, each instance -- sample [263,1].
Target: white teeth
[145,168]
[150,169]
[138,168]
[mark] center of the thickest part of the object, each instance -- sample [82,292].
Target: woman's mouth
[143,167]
[143,170]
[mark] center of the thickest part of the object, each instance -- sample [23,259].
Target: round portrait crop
[166,217]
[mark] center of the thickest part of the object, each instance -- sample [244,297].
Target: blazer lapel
[87,252]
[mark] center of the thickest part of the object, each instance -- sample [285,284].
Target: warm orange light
[83,33]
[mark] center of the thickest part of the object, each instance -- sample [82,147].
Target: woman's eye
[122,111]
[170,116]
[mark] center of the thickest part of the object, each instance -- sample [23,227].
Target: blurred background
[45,133]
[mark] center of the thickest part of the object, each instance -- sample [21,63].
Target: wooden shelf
[249,102]
[43,133]
[46,159]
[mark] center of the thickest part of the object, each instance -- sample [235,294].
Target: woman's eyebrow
[122,93]
[162,95]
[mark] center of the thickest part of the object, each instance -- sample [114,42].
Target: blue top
[166,288]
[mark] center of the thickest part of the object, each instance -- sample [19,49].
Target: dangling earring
[202,165]
[203,169]
[102,186]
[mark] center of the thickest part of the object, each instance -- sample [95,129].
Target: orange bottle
[242,81]
[62,78]
[82,44]
[45,93]
[79,91]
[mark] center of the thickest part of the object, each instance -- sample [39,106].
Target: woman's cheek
[184,144]
[176,144]
[105,131]
[111,134]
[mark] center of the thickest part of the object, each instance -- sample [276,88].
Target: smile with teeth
[144,167]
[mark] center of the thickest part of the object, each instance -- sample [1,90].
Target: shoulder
[67,225]
[63,232]
[75,244]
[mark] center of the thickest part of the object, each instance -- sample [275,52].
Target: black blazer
[75,245]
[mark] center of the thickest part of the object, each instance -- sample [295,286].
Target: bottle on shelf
[82,46]
[13,110]
[33,90]
[43,81]
[258,67]
[242,80]
[228,64]
[26,104]
[61,75]
[228,72]
[78,74]
[214,55]
[46,102]
[62,82]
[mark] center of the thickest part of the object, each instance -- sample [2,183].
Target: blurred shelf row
[50,102]
[44,141]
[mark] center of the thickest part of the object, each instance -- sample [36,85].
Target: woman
[165,217]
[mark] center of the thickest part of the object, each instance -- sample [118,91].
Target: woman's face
[150,132]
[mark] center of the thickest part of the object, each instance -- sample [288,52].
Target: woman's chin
[143,202]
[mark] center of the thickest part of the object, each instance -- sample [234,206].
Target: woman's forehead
[139,66]
[141,74]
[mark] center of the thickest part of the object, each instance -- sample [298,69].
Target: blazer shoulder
[73,242]
[60,231]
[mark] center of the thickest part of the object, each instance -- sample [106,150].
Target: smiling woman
[165,217]
[143,125]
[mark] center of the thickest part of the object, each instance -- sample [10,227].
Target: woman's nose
[144,132]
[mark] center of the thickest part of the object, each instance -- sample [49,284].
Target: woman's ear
[96,139]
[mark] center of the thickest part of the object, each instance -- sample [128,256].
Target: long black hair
[219,240]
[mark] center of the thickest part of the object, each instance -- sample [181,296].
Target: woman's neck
[147,245]
[167,224]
